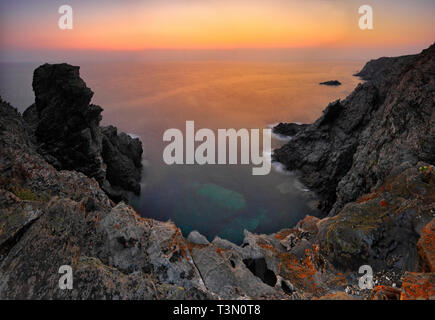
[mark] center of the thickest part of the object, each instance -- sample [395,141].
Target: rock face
[67,132]
[123,156]
[382,228]
[385,126]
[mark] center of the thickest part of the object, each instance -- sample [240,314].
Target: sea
[144,99]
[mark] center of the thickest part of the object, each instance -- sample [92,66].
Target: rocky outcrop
[67,132]
[288,129]
[385,126]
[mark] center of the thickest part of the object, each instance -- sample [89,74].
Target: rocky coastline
[369,157]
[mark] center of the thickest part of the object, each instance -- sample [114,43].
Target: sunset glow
[139,25]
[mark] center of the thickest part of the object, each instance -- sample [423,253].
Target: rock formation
[51,217]
[67,132]
[385,126]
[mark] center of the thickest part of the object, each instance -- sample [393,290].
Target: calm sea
[147,98]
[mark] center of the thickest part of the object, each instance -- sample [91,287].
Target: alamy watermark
[366,280]
[181,150]
[366,20]
[66,19]
[66,280]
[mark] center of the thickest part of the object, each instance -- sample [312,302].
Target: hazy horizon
[162,55]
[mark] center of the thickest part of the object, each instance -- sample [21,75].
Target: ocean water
[145,99]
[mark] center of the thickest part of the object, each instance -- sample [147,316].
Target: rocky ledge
[51,217]
[65,129]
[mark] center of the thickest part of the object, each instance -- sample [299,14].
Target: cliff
[385,126]
[54,212]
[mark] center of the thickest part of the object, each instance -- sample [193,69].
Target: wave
[278,136]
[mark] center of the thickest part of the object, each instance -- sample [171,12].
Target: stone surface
[382,228]
[418,286]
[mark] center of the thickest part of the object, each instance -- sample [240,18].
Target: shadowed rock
[67,132]
[383,127]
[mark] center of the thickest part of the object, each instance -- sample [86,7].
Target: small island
[331,83]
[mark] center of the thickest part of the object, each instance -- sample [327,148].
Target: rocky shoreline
[369,157]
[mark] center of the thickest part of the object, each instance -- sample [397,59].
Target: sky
[29,29]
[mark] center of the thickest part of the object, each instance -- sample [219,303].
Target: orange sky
[213,24]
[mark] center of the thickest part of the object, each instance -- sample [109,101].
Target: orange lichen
[283,234]
[367,197]
[265,245]
[191,246]
[220,250]
[177,243]
[417,286]
[383,292]
[309,223]
[426,247]
[383,203]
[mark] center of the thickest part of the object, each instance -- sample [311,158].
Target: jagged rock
[123,156]
[288,129]
[225,273]
[67,132]
[67,126]
[383,127]
[196,238]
